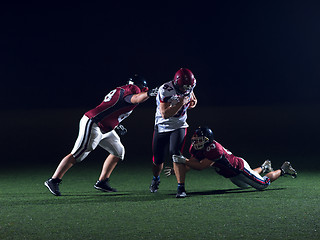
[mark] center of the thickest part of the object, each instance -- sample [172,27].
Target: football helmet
[184,81]
[139,81]
[202,136]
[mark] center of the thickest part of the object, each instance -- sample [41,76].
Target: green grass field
[214,209]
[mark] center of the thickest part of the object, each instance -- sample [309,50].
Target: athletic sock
[156,178]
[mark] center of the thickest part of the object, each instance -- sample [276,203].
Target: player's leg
[53,183]
[264,168]
[274,175]
[177,141]
[88,139]
[286,169]
[108,166]
[111,142]
[156,169]
[252,178]
[159,149]
[238,181]
[66,163]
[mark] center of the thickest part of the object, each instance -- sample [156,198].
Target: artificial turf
[214,208]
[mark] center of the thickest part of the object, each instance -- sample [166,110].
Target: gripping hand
[168,171]
[178,159]
[153,92]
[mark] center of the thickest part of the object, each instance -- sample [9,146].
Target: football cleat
[266,167]
[154,185]
[181,193]
[53,185]
[287,169]
[104,186]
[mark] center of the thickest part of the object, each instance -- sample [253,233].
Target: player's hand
[168,171]
[153,92]
[174,100]
[121,130]
[184,99]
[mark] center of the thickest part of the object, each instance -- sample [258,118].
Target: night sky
[241,52]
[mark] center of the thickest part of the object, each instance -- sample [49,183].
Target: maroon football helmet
[184,81]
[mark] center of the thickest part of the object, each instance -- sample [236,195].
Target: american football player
[206,152]
[101,126]
[173,100]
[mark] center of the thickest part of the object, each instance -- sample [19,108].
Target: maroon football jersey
[226,164]
[114,108]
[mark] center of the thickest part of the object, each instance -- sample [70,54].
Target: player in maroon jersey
[99,126]
[206,152]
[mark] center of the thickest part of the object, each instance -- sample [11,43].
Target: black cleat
[104,186]
[181,192]
[287,169]
[53,185]
[154,186]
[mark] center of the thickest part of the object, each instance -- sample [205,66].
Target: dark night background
[257,65]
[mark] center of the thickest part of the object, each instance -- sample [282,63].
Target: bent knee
[119,152]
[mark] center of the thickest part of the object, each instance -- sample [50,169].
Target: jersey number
[108,97]
[167,87]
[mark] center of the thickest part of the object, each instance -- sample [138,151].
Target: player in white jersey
[173,100]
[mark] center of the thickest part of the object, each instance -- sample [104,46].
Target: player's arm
[193,162]
[198,165]
[167,110]
[143,96]
[193,101]
[139,97]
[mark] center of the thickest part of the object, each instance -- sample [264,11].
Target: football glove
[168,171]
[121,130]
[178,159]
[153,92]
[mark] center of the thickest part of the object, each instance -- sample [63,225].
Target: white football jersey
[167,93]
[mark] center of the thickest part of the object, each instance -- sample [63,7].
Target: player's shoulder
[211,147]
[167,89]
[212,151]
[131,88]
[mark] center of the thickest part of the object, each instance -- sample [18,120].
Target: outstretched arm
[139,97]
[193,162]
[143,96]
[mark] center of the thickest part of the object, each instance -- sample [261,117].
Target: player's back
[114,108]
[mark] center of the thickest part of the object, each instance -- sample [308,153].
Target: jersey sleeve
[130,90]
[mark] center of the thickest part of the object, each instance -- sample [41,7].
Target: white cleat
[266,166]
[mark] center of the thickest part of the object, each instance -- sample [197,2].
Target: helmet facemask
[198,142]
[187,89]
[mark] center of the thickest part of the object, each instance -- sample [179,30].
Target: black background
[263,54]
